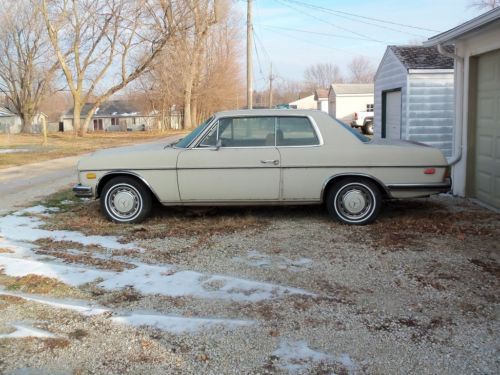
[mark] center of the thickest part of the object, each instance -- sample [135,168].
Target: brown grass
[38,285]
[5,251]
[12,300]
[59,249]
[413,224]
[65,144]
[167,222]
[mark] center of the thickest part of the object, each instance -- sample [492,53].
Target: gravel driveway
[262,290]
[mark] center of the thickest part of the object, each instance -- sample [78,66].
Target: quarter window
[295,131]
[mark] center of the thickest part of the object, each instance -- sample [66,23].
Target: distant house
[307,102]
[344,99]
[476,151]
[321,98]
[10,123]
[414,97]
[118,115]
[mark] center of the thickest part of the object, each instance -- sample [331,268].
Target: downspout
[459,131]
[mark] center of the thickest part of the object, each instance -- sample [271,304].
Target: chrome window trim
[196,143]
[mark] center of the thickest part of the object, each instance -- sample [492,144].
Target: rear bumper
[420,189]
[82,191]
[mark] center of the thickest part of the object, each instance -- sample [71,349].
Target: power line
[329,10]
[330,23]
[258,58]
[318,33]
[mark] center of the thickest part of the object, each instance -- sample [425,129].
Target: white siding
[391,75]
[431,110]
[346,105]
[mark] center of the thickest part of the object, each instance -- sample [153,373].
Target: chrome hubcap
[124,202]
[354,201]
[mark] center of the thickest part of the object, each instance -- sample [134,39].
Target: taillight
[430,171]
[355,115]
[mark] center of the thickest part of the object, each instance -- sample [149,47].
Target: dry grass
[5,251]
[59,249]
[166,222]
[38,285]
[65,144]
[412,223]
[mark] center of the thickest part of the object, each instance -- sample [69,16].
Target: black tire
[135,198]
[368,128]
[363,196]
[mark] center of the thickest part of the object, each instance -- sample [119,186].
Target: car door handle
[275,162]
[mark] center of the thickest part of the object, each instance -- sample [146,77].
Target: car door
[299,144]
[236,161]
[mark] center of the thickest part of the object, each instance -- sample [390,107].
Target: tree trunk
[26,122]
[187,104]
[44,130]
[194,111]
[77,111]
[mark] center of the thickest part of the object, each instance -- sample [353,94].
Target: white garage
[476,171]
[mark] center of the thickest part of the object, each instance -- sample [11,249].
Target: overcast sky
[292,51]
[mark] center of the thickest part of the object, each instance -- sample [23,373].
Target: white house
[118,115]
[414,98]
[476,154]
[344,99]
[10,123]
[321,98]
[307,102]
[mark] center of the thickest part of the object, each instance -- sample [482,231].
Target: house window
[115,121]
[133,120]
[369,108]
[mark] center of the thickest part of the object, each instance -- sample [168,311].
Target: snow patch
[13,150]
[261,260]
[178,324]
[17,229]
[296,357]
[23,330]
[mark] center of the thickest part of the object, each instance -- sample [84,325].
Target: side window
[295,131]
[211,138]
[247,131]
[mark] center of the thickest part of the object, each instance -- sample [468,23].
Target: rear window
[355,132]
[295,131]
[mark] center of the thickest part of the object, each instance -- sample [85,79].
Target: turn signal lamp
[91,176]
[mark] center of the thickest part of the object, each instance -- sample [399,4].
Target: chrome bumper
[443,187]
[83,191]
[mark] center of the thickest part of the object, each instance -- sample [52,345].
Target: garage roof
[465,28]
[352,88]
[420,57]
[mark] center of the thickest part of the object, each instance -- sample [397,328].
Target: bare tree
[26,65]
[104,45]
[361,70]
[322,75]
[484,4]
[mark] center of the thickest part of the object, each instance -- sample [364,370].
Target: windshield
[186,141]
[355,132]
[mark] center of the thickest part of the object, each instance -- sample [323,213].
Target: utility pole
[271,78]
[249,55]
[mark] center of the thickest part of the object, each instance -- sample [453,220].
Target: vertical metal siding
[431,110]
[391,75]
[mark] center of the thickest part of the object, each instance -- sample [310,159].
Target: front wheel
[354,201]
[126,200]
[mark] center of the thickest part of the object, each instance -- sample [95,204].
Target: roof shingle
[420,57]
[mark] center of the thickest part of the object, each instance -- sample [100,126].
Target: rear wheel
[368,128]
[354,201]
[126,200]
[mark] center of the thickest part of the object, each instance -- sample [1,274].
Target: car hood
[144,156]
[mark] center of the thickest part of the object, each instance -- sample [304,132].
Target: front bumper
[82,191]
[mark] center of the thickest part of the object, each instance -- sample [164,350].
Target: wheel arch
[119,173]
[332,180]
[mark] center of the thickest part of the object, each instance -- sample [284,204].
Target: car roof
[268,112]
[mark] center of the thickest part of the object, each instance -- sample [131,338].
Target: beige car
[259,157]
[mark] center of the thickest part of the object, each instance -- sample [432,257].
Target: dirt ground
[251,290]
[20,149]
